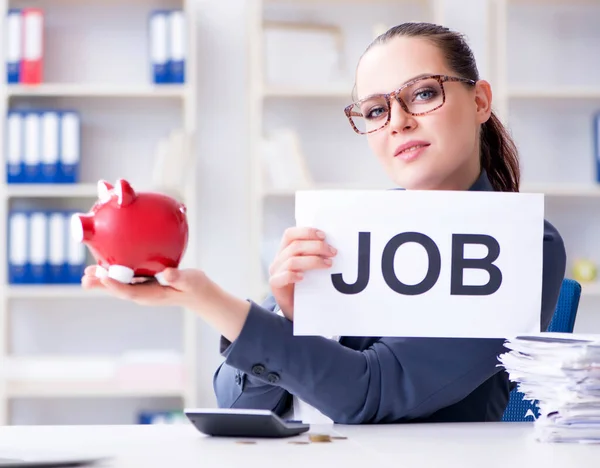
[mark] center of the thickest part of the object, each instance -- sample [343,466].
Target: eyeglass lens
[420,97]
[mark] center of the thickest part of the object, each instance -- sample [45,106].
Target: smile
[411,150]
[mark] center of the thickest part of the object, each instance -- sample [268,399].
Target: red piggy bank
[132,234]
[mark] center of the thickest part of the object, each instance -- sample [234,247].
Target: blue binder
[160,417]
[38,246]
[159,46]
[70,147]
[177,46]
[14,53]
[18,247]
[76,254]
[50,133]
[15,167]
[57,247]
[41,249]
[43,146]
[32,146]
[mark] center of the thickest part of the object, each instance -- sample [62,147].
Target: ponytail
[499,156]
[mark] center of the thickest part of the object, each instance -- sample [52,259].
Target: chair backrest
[563,321]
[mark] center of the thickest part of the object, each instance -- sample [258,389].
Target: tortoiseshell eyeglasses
[417,97]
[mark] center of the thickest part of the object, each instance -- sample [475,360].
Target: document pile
[561,372]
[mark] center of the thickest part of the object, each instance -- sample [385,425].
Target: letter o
[433,270]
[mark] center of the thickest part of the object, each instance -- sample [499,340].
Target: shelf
[122,112]
[67,291]
[551,2]
[590,289]
[289,192]
[563,190]
[46,388]
[83,190]
[89,376]
[338,91]
[341,2]
[558,92]
[551,190]
[98,90]
[282,192]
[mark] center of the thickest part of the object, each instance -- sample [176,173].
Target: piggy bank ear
[104,189]
[125,193]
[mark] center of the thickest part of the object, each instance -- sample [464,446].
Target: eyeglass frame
[396,94]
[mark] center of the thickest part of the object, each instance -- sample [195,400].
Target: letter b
[459,263]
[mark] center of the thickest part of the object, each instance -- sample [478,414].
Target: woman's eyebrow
[422,75]
[416,77]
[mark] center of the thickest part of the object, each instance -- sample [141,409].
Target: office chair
[563,321]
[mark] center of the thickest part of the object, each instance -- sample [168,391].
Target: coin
[245,442]
[338,438]
[298,442]
[319,438]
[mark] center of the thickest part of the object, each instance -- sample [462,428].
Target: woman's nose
[400,120]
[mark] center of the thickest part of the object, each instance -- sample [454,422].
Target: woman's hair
[499,156]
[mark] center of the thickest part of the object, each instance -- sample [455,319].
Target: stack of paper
[562,372]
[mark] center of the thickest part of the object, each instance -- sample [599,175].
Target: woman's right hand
[301,249]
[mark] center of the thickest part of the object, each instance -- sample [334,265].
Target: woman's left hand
[184,289]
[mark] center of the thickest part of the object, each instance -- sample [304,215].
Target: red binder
[33,46]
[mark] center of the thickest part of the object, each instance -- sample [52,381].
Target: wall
[223,153]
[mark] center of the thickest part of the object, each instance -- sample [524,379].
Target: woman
[436,131]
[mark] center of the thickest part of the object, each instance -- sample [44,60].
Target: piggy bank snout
[82,227]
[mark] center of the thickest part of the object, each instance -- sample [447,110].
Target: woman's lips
[411,150]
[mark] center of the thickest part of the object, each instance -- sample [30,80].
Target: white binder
[76,253]
[32,147]
[50,146]
[14,51]
[70,147]
[159,46]
[58,230]
[38,245]
[177,49]
[14,157]
[18,247]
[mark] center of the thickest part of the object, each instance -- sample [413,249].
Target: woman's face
[447,139]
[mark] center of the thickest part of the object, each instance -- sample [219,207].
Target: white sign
[423,263]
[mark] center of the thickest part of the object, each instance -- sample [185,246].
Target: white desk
[427,445]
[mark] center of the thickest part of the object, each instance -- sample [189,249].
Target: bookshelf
[313,108]
[549,103]
[100,91]
[51,292]
[124,116]
[82,190]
